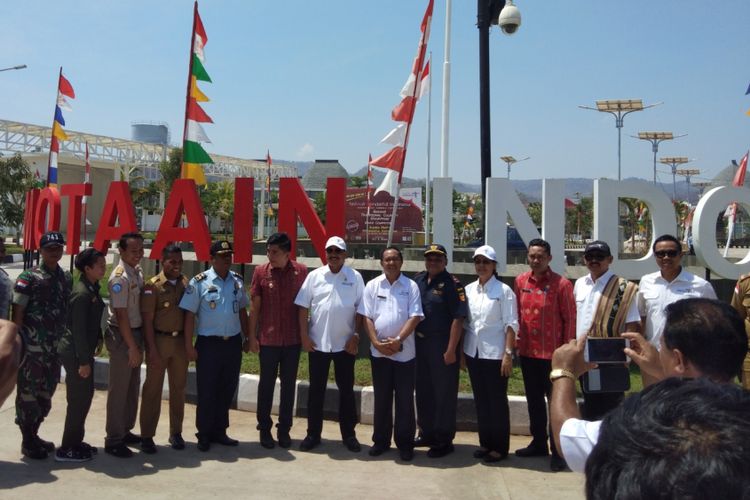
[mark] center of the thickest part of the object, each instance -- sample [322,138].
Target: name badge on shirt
[235,306]
[382,297]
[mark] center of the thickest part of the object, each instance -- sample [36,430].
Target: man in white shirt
[670,284]
[328,320]
[605,307]
[392,308]
[701,338]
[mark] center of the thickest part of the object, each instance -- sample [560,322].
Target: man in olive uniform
[437,339]
[163,322]
[40,309]
[124,342]
[741,302]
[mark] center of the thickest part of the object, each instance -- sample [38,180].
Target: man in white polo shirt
[392,308]
[328,323]
[670,284]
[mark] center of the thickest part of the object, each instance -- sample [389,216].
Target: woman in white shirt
[489,340]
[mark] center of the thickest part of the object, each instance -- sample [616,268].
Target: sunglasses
[667,253]
[598,257]
[333,250]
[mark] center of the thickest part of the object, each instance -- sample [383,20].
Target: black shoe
[557,463]
[148,446]
[177,442]
[440,451]
[75,454]
[85,446]
[493,456]
[481,453]
[352,444]
[376,450]
[131,438]
[422,442]
[284,440]
[309,443]
[266,440]
[34,450]
[225,440]
[119,451]
[406,454]
[49,446]
[532,450]
[204,444]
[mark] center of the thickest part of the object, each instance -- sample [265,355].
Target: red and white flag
[738,181]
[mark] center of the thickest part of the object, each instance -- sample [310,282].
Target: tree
[319,202]
[357,181]
[15,180]
[170,170]
[217,199]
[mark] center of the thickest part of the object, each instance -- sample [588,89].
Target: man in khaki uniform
[741,302]
[124,342]
[163,322]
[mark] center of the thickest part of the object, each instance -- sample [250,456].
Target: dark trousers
[491,400]
[388,378]
[78,392]
[343,366]
[281,362]
[217,376]
[437,391]
[597,404]
[538,386]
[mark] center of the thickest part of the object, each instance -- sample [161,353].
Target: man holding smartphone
[670,284]
[606,306]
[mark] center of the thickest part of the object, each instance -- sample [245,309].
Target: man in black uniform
[438,335]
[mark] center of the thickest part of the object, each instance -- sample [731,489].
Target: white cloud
[306,151]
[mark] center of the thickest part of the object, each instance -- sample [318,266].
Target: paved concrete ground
[249,470]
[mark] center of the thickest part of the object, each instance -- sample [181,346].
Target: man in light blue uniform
[215,304]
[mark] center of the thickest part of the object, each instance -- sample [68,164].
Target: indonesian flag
[193,154]
[738,181]
[392,160]
[389,184]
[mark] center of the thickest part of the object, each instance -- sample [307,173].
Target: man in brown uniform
[741,302]
[165,349]
[125,345]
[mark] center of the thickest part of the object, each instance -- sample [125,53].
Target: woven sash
[612,310]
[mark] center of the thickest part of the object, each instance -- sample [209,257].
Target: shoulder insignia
[236,275]
[200,277]
[119,271]
[153,281]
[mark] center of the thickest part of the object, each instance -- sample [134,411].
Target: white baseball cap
[487,252]
[335,241]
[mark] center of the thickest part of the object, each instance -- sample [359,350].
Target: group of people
[421,330]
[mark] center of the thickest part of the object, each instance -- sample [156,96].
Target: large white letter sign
[553,221]
[606,220]
[709,207]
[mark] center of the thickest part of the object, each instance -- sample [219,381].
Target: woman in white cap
[489,341]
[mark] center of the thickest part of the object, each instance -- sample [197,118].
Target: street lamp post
[656,138]
[619,108]
[673,161]
[688,172]
[20,66]
[509,160]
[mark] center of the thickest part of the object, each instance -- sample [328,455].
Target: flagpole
[52,134]
[187,94]
[367,217]
[427,238]
[86,178]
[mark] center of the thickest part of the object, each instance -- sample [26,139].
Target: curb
[10,259]
[247,395]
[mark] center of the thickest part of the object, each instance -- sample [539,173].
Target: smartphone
[607,378]
[605,350]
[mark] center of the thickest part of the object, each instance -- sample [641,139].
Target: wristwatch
[561,373]
[509,352]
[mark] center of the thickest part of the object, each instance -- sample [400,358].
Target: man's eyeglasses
[667,253]
[598,257]
[333,250]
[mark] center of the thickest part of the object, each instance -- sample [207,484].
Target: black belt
[218,337]
[168,334]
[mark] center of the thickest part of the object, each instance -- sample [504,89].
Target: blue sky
[318,79]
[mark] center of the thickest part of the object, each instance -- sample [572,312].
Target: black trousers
[391,378]
[343,366]
[597,404]
[78,392]
[437,391]
[538,386]
[217,374]
[491,400]
[281,362]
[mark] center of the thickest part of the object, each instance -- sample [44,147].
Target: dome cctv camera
[510,18]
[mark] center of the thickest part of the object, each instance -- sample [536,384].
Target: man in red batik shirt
[547,320]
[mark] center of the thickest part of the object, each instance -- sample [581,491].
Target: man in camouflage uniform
[741,302]
[40,309]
